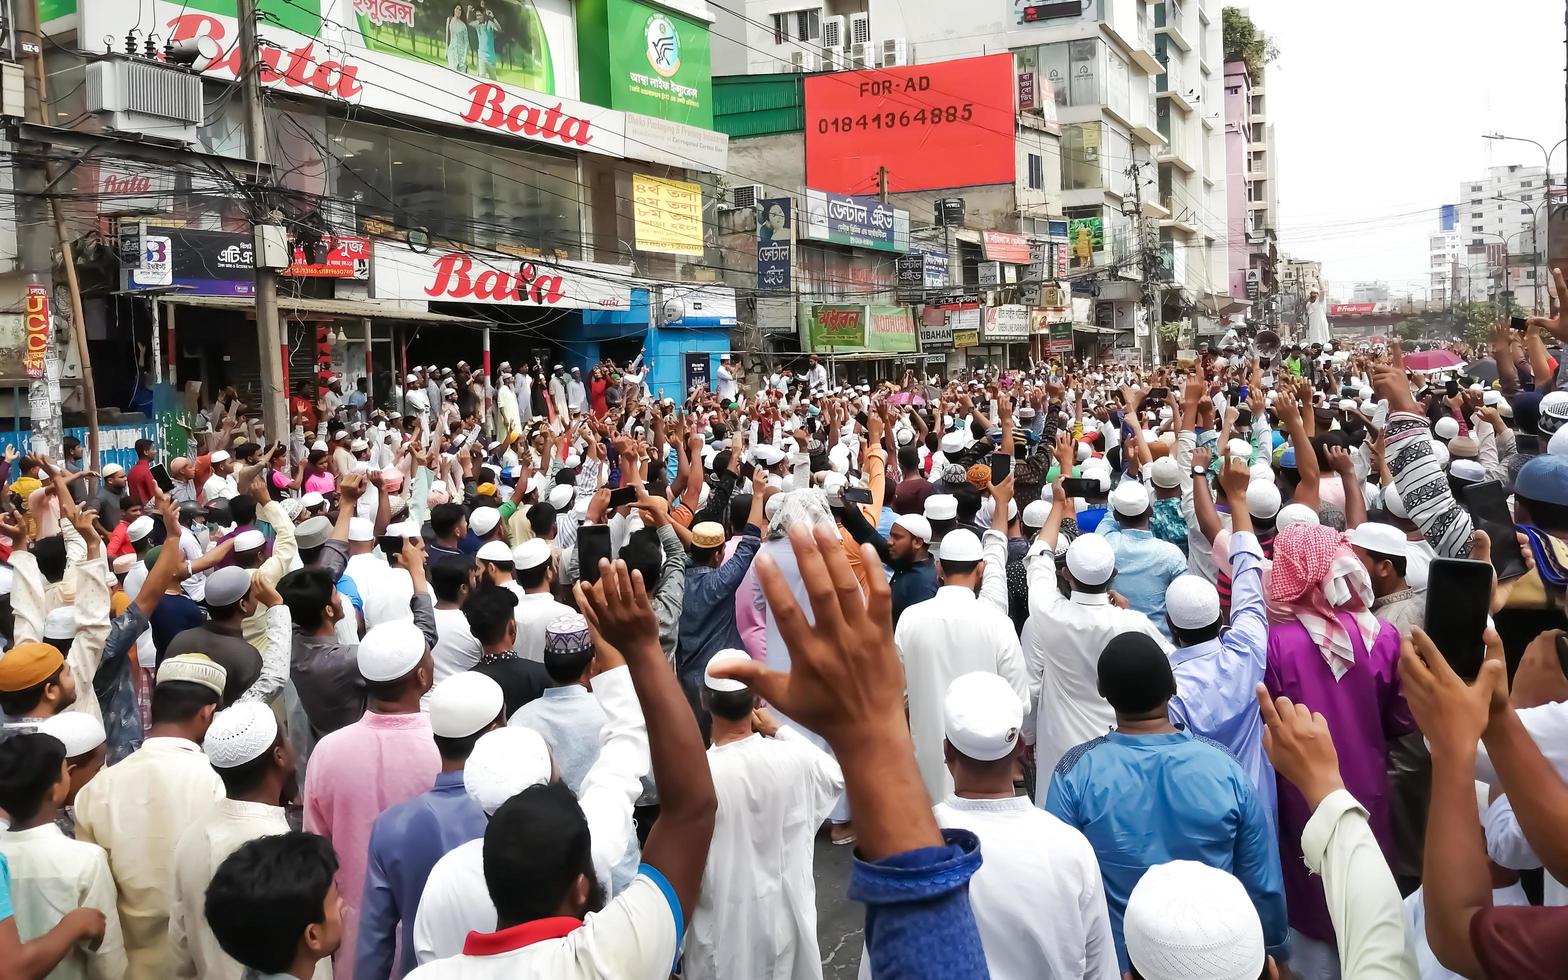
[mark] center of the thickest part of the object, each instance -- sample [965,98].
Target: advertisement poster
[1061,341]
[400,273]
[850,220]
[330,257]
[659,64]
[1006,323]
[210,263]
[1085,236]
[948,124]
[774,232]
[667,215]
[1004,246]
[935,332]
[694,368]
[35,329]
[833,327]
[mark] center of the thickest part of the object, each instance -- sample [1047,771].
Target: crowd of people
[1101,670]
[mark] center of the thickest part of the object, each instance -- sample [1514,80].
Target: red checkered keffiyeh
[1315,578]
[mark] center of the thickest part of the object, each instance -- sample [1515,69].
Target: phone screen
[1451,388]
[1157,394]
[1518,323]
[160,476]
[1488,505]
[1001,466]
[857,495]
[593,543]
[1080,488]
[621,496]
[1458,594]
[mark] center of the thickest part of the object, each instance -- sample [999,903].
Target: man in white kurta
[507,419]
[756,918]
[1317,320]
[952,633]
[51,874]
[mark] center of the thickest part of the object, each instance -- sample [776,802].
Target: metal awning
[1089,328]
[323,307]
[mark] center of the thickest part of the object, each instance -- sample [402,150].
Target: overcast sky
[1379,108]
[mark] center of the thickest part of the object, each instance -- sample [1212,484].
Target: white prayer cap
[1192,602]
[561,496]
[572,462]
[123,564]
[771,509]
[390,650]
[1557,445]
[312,499]
[941,507]
[358,446]
[1165,472]
[60,624]
[139,528]
[903,436]
[982,716]
[1347,404]
[919,527]
[960,545]
[1468,470]
[1186,920]
[249,540]
[193,668]
[768,455]
[1239,449]
[1446,427]
[318,446]
[240,734]
[504,763]
[1091,560]
[1440,451]
[1082,451]
[483,520]
[1491,397]
[954,442]
[495,551]
[1036,513]
[464,703]
[113,469]
[1263,499]
[536,484]
[79,733]
[724,658]
[531,554]
[1130,498]
[1385,539]
[292,507]
[360,529]
[1292,514]
[226,586]
[221,456]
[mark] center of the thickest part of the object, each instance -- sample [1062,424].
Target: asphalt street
[840,922]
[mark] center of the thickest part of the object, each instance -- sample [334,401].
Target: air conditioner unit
[833,32]
[833,59]
[895,52]
[859,29]
[805,61]
[861,56]
[141,96]
[745,196]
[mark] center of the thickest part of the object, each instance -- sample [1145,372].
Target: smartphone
[1080,488]
[746,471]
[1157,394]
[1243,418]
[1528,443]
[1488,506]
[593,543]
[160,476]
[1001,466]
[1458,595]
[621,496]
[1518,323]
[1451,387]
[857,495]
[1562,653]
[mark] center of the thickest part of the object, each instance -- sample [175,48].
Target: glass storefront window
[1077,70]
[1082,168]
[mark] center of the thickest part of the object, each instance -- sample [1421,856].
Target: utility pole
[1145,257]
[269,329]
[882,184]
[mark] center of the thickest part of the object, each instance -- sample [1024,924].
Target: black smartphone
[1562,653]
[1528,443]
[1519,323]
[1001,466]
[1488,506]
[747,470]
[857,495]
[593,543]
[621,496]
[1076,487]
[1451,388]
[1458,596]
[1020,449]
[1157,395]
[160,476]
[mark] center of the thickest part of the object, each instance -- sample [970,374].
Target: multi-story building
[1298,280]
[1505,208]
[1252,204]
[1370,292]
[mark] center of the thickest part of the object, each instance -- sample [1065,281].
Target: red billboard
[948,124]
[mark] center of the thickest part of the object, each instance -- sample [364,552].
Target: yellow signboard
[668,215]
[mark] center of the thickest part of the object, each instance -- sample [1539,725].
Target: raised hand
[618,610]
[1299,744]
[1451,713]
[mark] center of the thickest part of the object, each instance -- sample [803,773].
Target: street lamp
[1538,259]
[1546,154]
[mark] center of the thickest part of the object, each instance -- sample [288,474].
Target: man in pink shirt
[356,773]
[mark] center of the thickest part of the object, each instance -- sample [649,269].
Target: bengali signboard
[919,272]
[864,222]
[1003,246]
[936,334]
[833,326]
[208,263]
[330,257]
[667,215]
[35,329]
[965,337]
[774,230]
[1006,323]
[659,63]
[1061,340]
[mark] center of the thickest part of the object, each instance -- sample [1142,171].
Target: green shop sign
[844,329]
[639,57]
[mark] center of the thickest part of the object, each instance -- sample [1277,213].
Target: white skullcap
[79,733]
[1347,404]
[504,763]
[113,469]
[1446,428]
[1166,473]
[531,554]
[1292,514]
[1394,503]
[1130,498]
[1385,539]
[312,499]
[723,659]
[1491,397]
[358,446]
[1082,451]
[768,455]
[1091,560]
[226,586]
[221,456]
[571,462]
[390,650]
[1239,449]
[1263,499]
[1260,471]
[483,520]
[240,734]
[536,484]
[561,496]
[1364,392]
[903,436]
[1186,920]
[359,529]
[494,551]
[1468,470]
[770,509]
[1192,602]
[1440,451]
[954,443]
[1557,445]
[982,716]
[920,528]
[249,540]
[292,506]
[139,528]
[464,703]
[941,507]
[1036,513]
[318,446]
[960,545]
[60,624]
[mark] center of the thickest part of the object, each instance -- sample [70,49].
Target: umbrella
[1433,360]
[1484,370]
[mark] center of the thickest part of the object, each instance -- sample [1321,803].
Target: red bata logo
[135,184]
[455,280]
[299,68]
[488,107]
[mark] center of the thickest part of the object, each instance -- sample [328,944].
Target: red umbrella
[1433,360]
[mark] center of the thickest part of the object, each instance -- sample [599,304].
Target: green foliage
[1243,42]
[1410,329]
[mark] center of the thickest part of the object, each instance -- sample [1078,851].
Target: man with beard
[906,550]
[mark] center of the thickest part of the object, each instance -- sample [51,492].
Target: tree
[1410,329]
[1243,42]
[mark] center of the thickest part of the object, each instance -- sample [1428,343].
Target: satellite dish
[674,310]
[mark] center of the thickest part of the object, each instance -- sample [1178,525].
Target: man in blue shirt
[407,840]
[1145,565]
[1193,801]
[707,622]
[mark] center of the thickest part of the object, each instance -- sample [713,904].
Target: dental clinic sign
[364,55]
[846,219]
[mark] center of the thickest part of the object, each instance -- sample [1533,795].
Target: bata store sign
[508,69]
[400,273]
